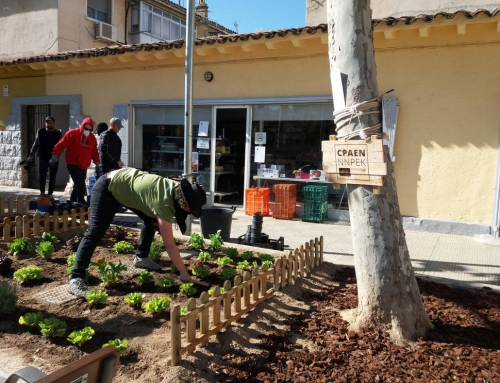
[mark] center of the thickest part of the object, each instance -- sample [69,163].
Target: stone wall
[10,156]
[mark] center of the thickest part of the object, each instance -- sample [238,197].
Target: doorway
[231,141]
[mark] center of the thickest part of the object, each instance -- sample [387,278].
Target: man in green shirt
[155,199]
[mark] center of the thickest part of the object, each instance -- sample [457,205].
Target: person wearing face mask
[81,149]
[46,138]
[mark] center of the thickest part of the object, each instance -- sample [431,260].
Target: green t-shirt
[149,193]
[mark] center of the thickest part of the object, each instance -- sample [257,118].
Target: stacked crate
[285,199]
[315,203]
[257,199]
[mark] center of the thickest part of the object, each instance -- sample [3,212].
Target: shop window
[99,10]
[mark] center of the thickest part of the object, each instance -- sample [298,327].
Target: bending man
[155,199]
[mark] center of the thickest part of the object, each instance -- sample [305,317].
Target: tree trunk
[388,294]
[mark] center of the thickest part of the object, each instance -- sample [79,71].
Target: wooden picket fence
[29,225]
[15,206]
[246,294]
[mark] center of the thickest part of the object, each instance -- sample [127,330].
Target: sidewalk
[443,257]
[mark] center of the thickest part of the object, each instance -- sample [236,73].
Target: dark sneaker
[78,287]
[146,263]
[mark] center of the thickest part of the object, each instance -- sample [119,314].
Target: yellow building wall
[448,128]
[19,87]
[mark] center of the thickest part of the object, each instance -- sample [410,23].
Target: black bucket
[215,219]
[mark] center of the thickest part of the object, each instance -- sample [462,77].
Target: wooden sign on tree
[354,162]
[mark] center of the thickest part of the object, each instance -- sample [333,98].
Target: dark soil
[297,335]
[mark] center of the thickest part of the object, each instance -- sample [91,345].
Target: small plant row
[53,327]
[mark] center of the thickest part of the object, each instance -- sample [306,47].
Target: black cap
[50,118]
[101,127]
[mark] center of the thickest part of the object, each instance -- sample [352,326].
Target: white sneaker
[78,287]
[146,263]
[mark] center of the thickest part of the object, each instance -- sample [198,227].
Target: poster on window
[202,143]
[194,162]
[203,129]
[260,154]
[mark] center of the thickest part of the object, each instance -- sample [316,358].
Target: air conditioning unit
[105,32]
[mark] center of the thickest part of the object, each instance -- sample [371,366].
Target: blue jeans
[103,207]
[78,175]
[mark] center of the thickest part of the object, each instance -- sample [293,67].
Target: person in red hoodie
[81,148]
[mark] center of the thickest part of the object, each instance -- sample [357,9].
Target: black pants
[78,175]
[103,207]
[43,167]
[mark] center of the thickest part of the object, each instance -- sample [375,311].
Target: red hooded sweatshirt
[80,150]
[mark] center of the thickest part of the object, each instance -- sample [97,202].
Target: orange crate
[285,199]
[257,199]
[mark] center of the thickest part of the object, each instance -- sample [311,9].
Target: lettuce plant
[157,305]
[20,246]
[145,277]
[247,255]
[74,242]
[45,249]
[228,273]
[216,241]
[211,290]
[121,345]
[118,233]
[196,241]
[201,271]
[79,337]
[266,257]
[52,327]
[242,265]
[47,237]
[31,319]
[224,261]
[28,273]
[165,282]
[134,299]
[96,297]
[123,247]
[269,264]
[231,252]
[187,289]
[205,256]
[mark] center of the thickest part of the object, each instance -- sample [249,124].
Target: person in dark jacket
[101,128]
[46,139]
[110,147]
[81,149]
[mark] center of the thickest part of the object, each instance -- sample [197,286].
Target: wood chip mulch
[464,345]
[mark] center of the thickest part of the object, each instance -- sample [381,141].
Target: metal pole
[188,99]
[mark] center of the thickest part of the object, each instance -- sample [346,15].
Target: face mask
[86,132]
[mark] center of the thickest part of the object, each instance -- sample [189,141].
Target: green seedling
[266,257]
[184,310]
[255,264]
[121,345]
[45,249]
[31,319]
[224,261]
[165,282]
[47,237]
[201,272]
[247,255]
[211,290]
[109,271]
[157,305]
[134,299]
[52,327]
[20,246]
[145,277]
[187,289]
[269,264]
[228,273]
[79,337]
[8,299]
[156,249]
[231,252]
[216,241]
[28,273]
[196,241]
[205,256]
[242,265]
[123,247]
[96,297]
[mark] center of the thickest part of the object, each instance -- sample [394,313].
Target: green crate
[315,203]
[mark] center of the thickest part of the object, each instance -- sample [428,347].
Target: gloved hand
[53,160]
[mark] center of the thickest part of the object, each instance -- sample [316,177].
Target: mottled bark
[389,297]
